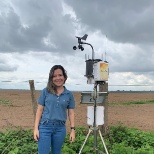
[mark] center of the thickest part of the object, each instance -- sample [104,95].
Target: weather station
[97,73]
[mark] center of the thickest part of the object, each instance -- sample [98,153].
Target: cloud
[122,21]
[130,58]
[5,64]
[30,26]
[35,35]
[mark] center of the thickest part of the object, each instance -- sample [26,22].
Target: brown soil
[19,112]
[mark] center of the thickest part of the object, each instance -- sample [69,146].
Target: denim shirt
[55,106]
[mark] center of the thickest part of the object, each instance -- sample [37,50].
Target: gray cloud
[132,61]
[34,26]
[4,67]
[49,27]
[122,21]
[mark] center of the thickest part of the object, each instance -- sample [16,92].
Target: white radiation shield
[99,115]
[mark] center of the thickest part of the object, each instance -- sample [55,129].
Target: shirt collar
[65,91]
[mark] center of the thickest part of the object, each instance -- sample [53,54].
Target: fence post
[34,102]
[104,88]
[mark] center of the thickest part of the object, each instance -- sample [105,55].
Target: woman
[51,114]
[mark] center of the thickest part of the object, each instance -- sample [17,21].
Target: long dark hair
[50,85]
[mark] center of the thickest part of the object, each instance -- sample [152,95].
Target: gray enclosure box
[87,97]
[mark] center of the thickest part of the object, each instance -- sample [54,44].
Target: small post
[34,102]
[104,88]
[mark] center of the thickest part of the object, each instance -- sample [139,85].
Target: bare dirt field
[16,110]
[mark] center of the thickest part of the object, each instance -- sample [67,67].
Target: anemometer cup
[74,47]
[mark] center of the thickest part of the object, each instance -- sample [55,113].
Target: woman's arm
[72,124]
[39,111]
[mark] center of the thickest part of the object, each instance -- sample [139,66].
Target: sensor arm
[91,47]
[84,38]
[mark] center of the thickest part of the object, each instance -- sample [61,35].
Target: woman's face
[58,78]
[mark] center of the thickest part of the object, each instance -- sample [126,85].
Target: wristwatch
[73,128]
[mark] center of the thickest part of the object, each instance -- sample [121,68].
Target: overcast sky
[35,35]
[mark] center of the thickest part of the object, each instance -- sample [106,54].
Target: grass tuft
[134,102]
[5,102]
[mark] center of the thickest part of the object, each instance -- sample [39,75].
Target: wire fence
[14,84]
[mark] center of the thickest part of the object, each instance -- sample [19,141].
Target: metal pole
[103,142]
[90,130]
[94,124]
[93,56]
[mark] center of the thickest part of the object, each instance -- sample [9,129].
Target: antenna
[85,57]
[105,56]
[102,57]
[105,49]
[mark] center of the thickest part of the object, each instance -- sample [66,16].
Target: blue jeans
[52,135]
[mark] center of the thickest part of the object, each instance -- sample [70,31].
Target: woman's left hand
[72,136]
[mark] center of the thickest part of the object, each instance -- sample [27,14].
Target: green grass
[5,102]
[118,140]
[133,102]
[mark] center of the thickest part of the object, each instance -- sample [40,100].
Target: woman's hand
[39,112]
[72,135]
[36,134]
